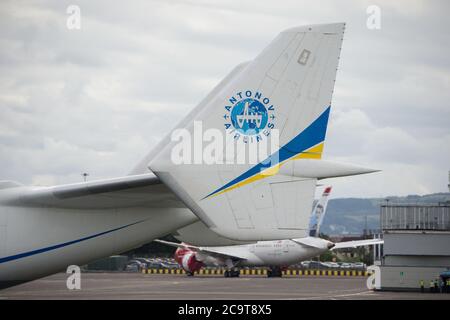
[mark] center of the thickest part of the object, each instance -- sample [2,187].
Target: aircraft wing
[357,243]
[144,190]
[178,245]
[214,252]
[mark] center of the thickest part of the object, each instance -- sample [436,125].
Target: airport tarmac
[156,286]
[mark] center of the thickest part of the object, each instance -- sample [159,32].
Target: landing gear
[231,273]
[274,272]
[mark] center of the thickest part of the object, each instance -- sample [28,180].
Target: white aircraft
[319,213]
[274,254]
[290,85]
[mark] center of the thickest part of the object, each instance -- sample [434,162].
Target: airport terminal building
[416,245]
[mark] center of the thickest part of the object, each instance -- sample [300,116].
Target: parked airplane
[319,213]
[290,85]
[274,254]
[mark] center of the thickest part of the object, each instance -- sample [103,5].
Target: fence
[263,272]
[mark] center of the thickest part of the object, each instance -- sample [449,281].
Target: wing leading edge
[130,191]
[207,251]
[356,243]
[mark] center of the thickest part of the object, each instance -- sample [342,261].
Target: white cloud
[409,164]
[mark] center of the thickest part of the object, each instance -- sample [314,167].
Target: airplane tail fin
[318,213]
[222,161]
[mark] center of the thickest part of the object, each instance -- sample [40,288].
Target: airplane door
[285,246]
[278,248]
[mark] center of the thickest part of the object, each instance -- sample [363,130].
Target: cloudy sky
[99,98]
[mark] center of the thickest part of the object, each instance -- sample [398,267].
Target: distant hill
[352,215]
[344,216]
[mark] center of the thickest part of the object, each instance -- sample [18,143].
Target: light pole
[85,175]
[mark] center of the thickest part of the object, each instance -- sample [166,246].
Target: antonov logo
[249,115]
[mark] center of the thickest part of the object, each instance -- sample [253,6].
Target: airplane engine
[187,260]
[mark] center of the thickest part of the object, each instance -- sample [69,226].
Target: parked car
[317,265]
[132,267]
[154,265]
[305,264]
[333,265]
[345,265]
[360,266]
[141,260]
[168,265]
[141,265]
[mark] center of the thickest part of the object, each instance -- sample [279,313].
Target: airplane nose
[330,245]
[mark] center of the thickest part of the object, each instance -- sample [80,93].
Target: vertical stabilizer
[318,213]
[281,99]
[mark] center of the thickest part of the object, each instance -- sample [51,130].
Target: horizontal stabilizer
[144,190]
[314,242]
[322,169]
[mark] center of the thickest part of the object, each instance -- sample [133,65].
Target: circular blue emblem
[249,116]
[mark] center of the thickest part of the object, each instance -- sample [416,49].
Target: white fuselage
[36,241]
[271,253]
[39,241]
